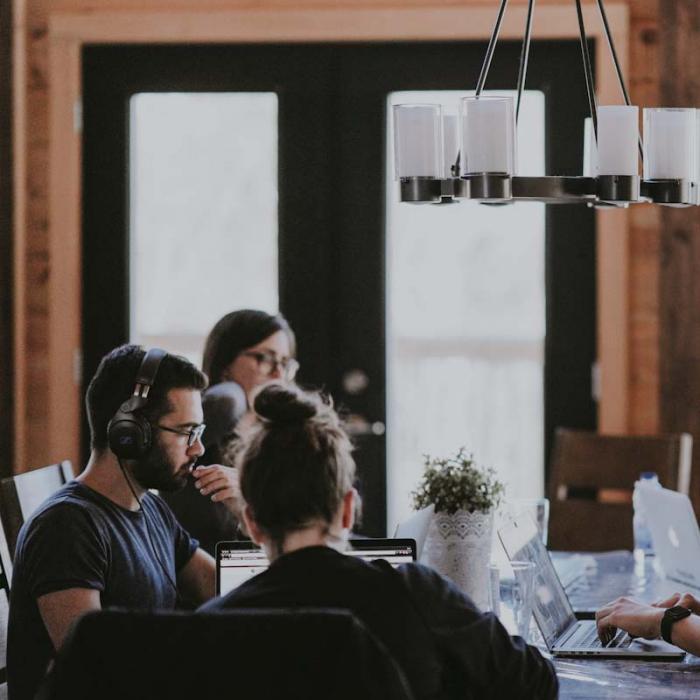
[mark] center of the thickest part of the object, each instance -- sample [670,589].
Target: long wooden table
[617,574]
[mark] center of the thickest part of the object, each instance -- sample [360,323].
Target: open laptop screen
[236,562]
[395,551]
[551,607]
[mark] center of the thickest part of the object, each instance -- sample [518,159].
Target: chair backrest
[22,494]
[591,481]
[281,653]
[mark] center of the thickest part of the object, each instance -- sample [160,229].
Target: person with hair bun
[244,350]
[296,474]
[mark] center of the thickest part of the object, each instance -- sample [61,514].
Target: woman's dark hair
[295,462]
[236,332]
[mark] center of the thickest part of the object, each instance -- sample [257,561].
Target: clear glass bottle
[643,545]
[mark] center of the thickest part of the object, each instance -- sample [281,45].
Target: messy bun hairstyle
[295,461]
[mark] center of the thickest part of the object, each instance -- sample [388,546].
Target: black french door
[332,117]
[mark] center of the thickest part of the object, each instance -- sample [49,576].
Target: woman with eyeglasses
[296,475]
[244,350]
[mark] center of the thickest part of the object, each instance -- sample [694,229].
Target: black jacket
[446,647]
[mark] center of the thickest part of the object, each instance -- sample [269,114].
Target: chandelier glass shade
[442,158]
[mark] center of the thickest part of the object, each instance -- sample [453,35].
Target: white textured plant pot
[459,547]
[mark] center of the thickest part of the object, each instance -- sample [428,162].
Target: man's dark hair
[114,381]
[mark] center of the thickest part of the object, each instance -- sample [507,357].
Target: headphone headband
[146,376]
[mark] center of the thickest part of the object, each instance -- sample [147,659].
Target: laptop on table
[236,562]
[674,534]
[564,635]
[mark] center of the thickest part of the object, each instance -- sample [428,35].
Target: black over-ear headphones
[129,433]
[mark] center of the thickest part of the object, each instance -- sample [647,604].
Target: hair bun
[285,404]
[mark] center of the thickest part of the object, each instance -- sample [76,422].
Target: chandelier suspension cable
[587,69]
[618,68]
[524,56]
[491,48]
[485,66]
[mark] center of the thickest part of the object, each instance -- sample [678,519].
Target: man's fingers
[215,485]
[668,602]
[687,600]
[606,609]
[604,623]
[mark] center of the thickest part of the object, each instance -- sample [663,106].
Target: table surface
[616,574]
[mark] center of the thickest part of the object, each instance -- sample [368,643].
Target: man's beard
[155,471]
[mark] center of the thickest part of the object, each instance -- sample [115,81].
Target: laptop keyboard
[588,639]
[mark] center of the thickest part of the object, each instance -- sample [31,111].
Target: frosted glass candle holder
[618,138]
[488,135]
[418,143]
[450,133]
[590,151]
[670,144]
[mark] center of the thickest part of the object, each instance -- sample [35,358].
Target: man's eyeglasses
[269,362]
[193,434]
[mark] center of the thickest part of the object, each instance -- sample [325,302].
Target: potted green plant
[465,496]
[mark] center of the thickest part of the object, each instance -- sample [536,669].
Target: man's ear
[251,526]
[349,509]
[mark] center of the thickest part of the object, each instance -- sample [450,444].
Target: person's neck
[313,536]
[104,475]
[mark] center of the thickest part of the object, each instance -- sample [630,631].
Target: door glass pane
[466,326]
[203,207]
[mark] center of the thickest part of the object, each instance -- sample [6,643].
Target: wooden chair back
[591,482]
[22,494]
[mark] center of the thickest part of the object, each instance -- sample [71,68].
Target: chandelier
[443,158]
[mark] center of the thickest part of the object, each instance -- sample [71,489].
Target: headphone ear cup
[129,434]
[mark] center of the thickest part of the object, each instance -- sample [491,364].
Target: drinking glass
[511,595]
[494,590]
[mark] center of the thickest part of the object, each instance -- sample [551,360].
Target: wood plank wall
[6,403]
[680,243]
[643,244]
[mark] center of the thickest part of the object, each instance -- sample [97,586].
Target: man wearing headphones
[104,539]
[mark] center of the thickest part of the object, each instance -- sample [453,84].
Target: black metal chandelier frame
[603,190]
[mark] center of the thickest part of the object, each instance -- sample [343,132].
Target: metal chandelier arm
[491,48]
[587,69]
[524,55]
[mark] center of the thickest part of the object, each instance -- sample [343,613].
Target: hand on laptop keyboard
[638,619]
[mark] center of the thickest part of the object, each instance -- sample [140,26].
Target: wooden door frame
[70,30]
[6,244]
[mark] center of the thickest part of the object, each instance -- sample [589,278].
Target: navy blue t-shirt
[80,539]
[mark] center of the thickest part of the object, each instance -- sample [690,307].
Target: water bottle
[642,536]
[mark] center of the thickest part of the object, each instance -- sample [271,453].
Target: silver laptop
[674,533]
[236,562]
[563,634]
